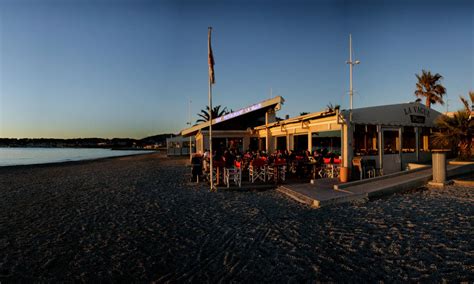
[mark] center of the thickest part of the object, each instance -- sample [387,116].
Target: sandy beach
[138,219]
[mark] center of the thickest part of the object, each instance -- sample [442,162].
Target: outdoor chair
[233,174]
[257,170]
[335,171]
[277,170]
[366,168]
[214,175]
[370,168]
[270,172]
[217,172]
[325,171]
[292,168]
[358,166]
[329,171]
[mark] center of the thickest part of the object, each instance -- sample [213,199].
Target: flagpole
[210,111]
[190,138]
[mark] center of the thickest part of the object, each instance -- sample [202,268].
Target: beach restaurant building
[391,135]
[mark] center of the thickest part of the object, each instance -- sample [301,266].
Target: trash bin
[344,174]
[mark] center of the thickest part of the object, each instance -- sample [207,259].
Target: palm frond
[456,131]
[465,103]
[205,114]
[428,87]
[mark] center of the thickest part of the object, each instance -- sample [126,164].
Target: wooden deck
[329,191]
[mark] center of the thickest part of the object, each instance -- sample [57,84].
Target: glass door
[391,151]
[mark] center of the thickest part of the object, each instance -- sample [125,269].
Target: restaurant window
[253,144]
[424,141]
[235,144]
[300,142]
[365,140]
[391,142]
[218,144]
[175,145]
[281,143]
[409,140]
[262,144]
[327,140]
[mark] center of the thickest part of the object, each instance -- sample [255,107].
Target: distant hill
[157,139]
[114,143]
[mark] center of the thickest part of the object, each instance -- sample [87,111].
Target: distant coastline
[156,142]
[156,149]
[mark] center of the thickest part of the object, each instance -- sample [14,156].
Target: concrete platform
[465,180]
[468,183]
[316,196]
[246,186]
[321,194]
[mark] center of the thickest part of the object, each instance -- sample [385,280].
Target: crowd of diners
[298,164]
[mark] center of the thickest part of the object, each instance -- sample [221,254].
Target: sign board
[417,119]
[239,112]
[407,114]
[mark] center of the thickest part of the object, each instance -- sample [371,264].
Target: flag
[210,58]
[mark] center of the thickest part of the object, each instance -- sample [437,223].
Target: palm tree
[332,108]
[216,112]
[428,87]
[457,131]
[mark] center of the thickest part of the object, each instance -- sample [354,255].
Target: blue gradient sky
[78,68]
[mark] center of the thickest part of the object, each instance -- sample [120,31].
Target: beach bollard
[439,167]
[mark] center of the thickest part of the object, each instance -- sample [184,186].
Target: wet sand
[137,219]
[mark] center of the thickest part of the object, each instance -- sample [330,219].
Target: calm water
[28,156]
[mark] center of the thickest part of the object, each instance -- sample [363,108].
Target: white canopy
[408,114]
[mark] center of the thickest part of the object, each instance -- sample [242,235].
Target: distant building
[179,146]
[155,146]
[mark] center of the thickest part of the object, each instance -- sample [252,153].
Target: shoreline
[78,162]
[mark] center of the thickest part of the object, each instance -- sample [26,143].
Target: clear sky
[83,68]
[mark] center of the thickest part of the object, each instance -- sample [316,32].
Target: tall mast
[350,70]
[351,64]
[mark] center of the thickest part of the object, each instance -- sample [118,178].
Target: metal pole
[210,135]
[350,70]
[190,138]
[210,114]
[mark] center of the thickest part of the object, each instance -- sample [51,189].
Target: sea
[30,156]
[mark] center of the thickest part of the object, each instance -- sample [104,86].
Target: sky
[132,68]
